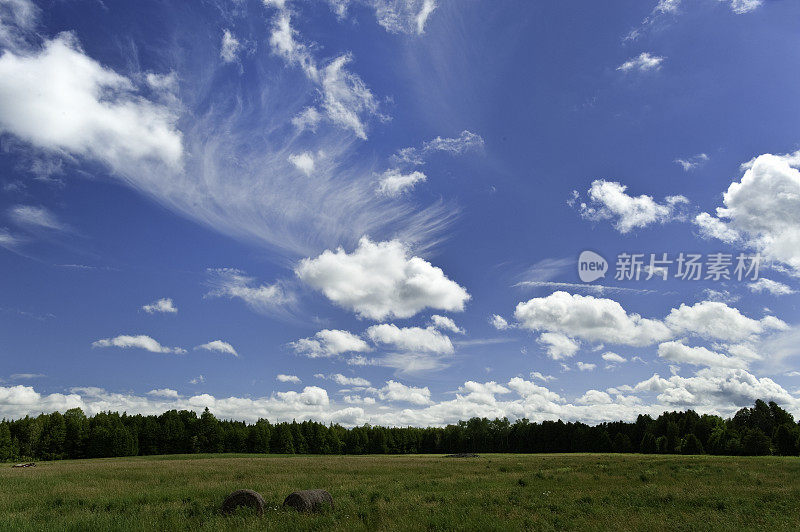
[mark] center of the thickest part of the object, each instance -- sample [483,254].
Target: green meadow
[419,492]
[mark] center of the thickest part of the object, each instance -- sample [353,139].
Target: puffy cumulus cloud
[558,346]
[446,324]
[642,63]
[590,318]
[236,284]
[165,305]
[498,322]
[287,378]
[379,280]
[716,390]
[164,392]
[613,358]
[415,339]
[609,201]
[229,49]
[396,391]
[329,343]
[710,390]
[716,320]
[586,366]
[140,341]
[59,99]
[764,208]
[36,217]
[303,162]
[467,141]
[358,400]
[481,393]
[595,397]
[394,183]
[771,287]
[698,356]
[218,346]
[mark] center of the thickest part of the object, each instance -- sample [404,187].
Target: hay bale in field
[309,500]
[462,455]
[248,498]
[31,464]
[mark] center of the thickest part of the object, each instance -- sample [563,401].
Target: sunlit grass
[493,492]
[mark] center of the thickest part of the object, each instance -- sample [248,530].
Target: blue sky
[372,210]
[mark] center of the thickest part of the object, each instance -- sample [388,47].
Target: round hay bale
[309,500]
[248,498]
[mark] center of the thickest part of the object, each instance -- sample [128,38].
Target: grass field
[493,492]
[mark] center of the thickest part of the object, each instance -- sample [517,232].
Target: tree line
[764,429]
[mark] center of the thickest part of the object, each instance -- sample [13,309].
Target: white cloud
[613,358]
[595,397]
[773,287]
[465,142]
[140,342]
[219,346]
[60,99]
[716,320]
[584,366]
[643,63]
[394,183]
[379,280]
[198,380]
[695,161]
[230,47]
[342,380]
[33,217]
[609,201]
[710,390]
[309,118]
[303,162]
[345,97]
[498,322]
[743,6]
[446,324]
[396,391]
[415,339]
[558,345]
[403,16]
[163,305]
[287,378]
[711,227]
[232,283]
[328,343]
[698,356]
[8,240]
[589,318]
[545,378]
[764,208]
[164,392]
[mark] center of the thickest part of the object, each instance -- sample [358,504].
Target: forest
[764,429]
